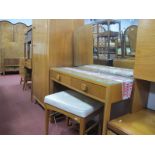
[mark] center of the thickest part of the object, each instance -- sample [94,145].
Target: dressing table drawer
[61,78]
[89,88]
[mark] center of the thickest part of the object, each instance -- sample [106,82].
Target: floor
[19,116]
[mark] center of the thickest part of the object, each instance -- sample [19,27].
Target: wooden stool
[75,106]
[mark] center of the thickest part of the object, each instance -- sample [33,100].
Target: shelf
[106,22]
[108,34]
[109,52]
[139,123]
[11,70]
[107,37]
[11,65]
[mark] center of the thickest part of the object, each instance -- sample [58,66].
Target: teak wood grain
[11,41]
[52,47]
[145,51]
[83,45]
[138,123]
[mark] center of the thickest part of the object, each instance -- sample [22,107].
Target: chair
[25,73]
[27,78]
[75,106]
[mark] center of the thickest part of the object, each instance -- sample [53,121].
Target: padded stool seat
[73,105]
[73,102]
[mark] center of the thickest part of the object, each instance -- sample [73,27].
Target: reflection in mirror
[130,35]
[113,39]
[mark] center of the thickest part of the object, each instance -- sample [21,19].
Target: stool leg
[100,122]
[82,126]
[46,121]
[25,83]
[68,121]
[51,117]
[21,80]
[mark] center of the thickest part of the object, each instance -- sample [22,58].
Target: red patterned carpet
[18,116]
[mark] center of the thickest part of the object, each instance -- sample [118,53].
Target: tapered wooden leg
[25,83]
[68,121]
[21,80]
[51,117]
[106,117]
[82,126]
[100,122]
[46,121]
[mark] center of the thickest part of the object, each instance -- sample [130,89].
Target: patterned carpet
[19,116]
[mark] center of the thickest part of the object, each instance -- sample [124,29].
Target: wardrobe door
[40,68]
[145,51]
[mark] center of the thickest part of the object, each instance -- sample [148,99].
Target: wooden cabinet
[28,44]
[6,31]
[138,123]
[19,32]
[10,65]
[28,48]
[52,47]
[141,120]
[11,45]
[145,51]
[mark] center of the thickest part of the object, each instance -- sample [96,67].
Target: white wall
[151,100]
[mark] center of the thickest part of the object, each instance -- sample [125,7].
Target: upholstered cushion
[73,102]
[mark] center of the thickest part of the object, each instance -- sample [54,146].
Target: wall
[151,100]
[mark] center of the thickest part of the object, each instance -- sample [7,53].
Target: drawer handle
[84,87]
[58,77]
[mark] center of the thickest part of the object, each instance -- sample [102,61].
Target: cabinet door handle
[84,87]
[58,77]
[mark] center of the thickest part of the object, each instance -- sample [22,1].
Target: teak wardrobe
[11,45]
[52,47]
